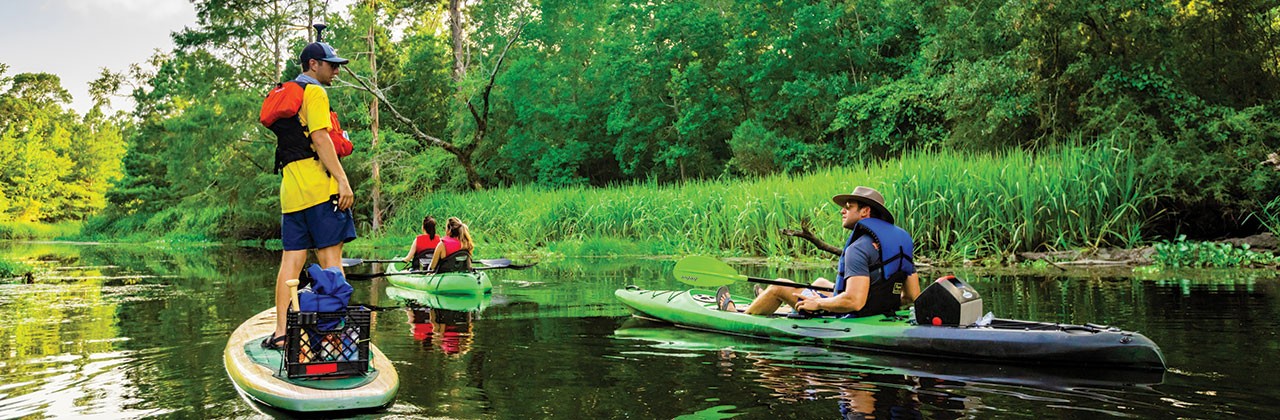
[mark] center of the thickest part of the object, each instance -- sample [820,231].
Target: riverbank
[1257,251]
[959,206]
[963,209]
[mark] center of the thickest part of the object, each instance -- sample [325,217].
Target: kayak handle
[797,326]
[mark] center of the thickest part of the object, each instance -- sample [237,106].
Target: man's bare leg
[290,265]
[773,298]
[331,257]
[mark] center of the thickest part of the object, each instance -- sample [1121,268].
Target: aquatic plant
[1183,253]
[13,268]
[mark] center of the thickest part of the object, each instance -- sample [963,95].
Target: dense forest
[477,95]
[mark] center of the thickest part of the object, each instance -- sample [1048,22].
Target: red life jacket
[424,243]
[280,114]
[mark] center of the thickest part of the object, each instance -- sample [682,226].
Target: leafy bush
[13,269]
[760,151]
[1183,253]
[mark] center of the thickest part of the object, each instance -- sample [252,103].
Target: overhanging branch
[373,90]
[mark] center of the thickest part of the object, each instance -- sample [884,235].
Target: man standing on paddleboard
[315,195]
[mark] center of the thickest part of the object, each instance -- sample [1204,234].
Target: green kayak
[763,354]
[453,302]
[1002,340]
[473,282]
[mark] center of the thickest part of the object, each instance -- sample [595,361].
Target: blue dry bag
[329,292]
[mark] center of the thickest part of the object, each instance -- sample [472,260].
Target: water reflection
[882,386]
[451,330]
[442,320]
[857,395]
[133,331]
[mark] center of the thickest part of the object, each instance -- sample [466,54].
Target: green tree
[57,166]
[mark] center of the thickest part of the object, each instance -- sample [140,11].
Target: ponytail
[429,227]
[464,237]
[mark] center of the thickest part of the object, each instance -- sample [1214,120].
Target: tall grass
[186,223]
[28,230]
[1269,216]
[957,205]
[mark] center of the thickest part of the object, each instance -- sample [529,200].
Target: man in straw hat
[875,265]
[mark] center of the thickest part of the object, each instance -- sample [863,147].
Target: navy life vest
[897,253]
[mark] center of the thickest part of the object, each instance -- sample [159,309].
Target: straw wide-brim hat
[867,196]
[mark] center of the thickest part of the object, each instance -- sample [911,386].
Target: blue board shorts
[317,227]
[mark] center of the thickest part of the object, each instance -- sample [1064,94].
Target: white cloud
[75,39]
[147,9]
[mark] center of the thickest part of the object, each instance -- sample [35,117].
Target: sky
[75,39]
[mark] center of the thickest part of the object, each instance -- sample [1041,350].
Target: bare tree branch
[493,75]
[364,85]
[806,233]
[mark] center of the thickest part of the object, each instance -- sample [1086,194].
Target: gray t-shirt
[858,259]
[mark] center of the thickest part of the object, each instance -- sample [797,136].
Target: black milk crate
[316,352]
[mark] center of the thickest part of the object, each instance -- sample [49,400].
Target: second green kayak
[1002,340]
[470,282]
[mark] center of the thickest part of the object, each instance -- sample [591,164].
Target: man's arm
[323,146]
[912,289]
[852,299]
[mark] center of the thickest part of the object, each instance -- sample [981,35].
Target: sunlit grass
[957,205]
[26,230]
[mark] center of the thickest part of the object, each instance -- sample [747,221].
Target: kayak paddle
[352,262]
[494,264]
[705,271]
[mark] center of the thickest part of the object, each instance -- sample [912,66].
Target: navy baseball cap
[321,51]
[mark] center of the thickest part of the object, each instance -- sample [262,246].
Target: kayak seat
[422,259]
[458,261]
[811,314]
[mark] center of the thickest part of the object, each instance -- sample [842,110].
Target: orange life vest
[280,114]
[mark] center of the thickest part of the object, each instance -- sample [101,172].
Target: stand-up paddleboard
[258,373]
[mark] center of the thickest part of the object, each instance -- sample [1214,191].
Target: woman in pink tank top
[457,237]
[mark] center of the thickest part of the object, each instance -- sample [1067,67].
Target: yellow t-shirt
[305,182]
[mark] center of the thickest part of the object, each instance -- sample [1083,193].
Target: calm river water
[139,331]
